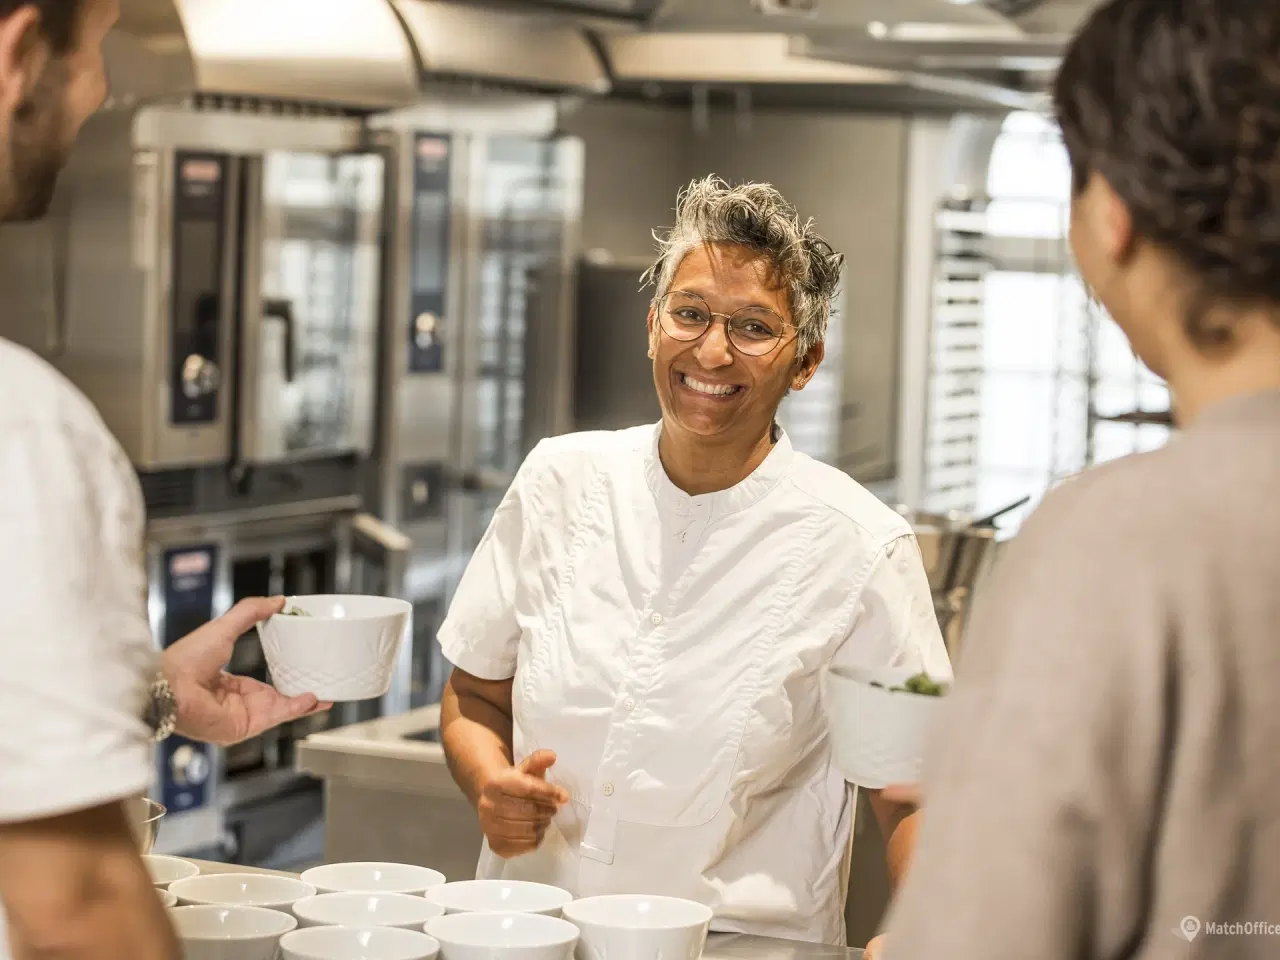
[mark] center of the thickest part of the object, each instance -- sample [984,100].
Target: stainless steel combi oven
[302,299]
[216,290]
[484,202]
[223,269]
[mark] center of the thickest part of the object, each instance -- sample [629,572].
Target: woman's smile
[705,389]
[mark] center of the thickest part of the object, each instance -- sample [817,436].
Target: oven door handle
[282,310]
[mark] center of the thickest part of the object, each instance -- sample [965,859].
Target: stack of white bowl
[164,871]
[364,911]
[235,916]
[511,920]
[389,911]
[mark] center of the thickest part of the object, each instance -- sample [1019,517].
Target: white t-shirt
[670,650]
[76,654]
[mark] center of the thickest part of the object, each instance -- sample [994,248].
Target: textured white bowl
[230,933]
[878,737]
[243,889]
[366,910]
[503,936]
[373,878]
[628,927]
[344,650]
[352,943]
[166,897]
[165,870]
[499,896]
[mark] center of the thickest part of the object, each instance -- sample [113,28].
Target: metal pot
[955,552]
[144,818]
[958,551]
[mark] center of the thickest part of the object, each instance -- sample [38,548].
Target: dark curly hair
[1176,103]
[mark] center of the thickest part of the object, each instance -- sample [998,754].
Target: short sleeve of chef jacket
[893,619]
[75,641]
[480,634]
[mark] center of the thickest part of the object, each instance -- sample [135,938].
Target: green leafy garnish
[919,684]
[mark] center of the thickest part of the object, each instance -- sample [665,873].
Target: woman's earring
[651,353]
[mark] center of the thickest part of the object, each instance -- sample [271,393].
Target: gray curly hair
[758,217]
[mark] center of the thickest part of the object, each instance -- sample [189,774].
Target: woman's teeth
[710,389]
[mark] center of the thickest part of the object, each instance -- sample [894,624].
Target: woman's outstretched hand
[517,805]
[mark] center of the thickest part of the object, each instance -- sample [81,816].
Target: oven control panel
[199,225]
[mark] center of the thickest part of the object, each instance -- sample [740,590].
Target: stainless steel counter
[719,946]
[389,796]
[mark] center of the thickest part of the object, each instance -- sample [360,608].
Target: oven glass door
[312,290]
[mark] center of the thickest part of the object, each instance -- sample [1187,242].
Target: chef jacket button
[656,619]
[608,790]
[628,705]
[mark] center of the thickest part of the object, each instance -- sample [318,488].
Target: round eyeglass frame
[728,321]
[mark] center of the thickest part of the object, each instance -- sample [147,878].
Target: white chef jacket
[669,648]
[76,655]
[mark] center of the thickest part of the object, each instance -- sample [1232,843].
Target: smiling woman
[744,293]
[640,638]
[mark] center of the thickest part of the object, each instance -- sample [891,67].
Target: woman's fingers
[514,808]
[513,838]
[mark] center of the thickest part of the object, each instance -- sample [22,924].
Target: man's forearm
[476,736]
[74,888]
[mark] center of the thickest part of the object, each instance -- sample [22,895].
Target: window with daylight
[1056,369]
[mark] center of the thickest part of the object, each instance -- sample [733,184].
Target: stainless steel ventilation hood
[348,53]
[812,16]
[767,16]
[503,45]
[725,59]
[835,53]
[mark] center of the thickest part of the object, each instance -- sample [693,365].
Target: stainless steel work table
[719,946]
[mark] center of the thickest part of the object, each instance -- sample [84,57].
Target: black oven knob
[200,377]
[189,767]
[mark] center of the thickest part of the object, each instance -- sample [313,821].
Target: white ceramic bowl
[165,870]
[634,927]
[344,649]
[166,897]
[366,910]
[499,896]
[503,936]
[353,943]
[878,737]
[242,889]
[372,878]
[230,933]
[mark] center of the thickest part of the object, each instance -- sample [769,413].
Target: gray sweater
[1109,771]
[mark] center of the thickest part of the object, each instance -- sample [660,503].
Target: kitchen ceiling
[933,54]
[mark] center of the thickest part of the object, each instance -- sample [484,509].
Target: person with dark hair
[640,637]
[82,692]
[1107,783]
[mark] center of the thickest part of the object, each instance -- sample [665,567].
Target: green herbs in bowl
[920,684]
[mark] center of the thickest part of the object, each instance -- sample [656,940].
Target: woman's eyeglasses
[753,331]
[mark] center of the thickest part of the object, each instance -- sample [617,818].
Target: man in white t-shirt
[82,692]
